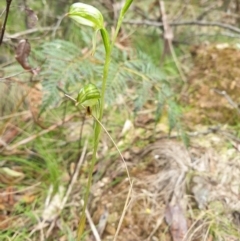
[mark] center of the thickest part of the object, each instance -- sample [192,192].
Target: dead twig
[68,192]
[92,226]
[20,191]
[181,11]
[167,31]
[228,98]
[26,32]
[208,10]
[194,22]
[31,138]
[74,176]
[57,25]
[42,237]
[158,223]
[8,3]
[168,38]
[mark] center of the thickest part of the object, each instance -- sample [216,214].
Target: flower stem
[98,128]
[97,132]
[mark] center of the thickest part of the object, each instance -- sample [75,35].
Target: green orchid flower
[88,15]
[89,95]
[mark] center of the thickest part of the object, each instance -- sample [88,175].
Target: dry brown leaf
[32,17]
[10,176]
[22,52]
[176,220]
[12,173]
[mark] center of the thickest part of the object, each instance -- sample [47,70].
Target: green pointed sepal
[88,96]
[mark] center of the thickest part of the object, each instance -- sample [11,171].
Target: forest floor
[179,192]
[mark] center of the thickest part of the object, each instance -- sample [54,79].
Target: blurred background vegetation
[174,74]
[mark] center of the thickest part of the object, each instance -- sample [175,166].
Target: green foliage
[68,68]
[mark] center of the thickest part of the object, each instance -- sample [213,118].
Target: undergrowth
[135,81]
[128,70]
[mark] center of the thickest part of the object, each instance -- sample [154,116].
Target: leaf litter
[32,17]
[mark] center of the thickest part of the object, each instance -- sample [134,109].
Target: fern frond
[68,68]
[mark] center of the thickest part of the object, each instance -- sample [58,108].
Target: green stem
[98,128]
[119,23]
[97,133]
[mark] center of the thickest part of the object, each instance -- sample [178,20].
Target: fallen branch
[92,226]
[8,3]
[199,23]
[31,138]
[8,37]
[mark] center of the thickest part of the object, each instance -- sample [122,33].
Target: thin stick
[229,99]
[19,191]
[75,175]
[69,189]
[26,32]
[8,3]
[25,141]
[194,22]
[92,226]
[10,76]
[57,25]
[4,10]
[71,98]
[14,115]
[168,36]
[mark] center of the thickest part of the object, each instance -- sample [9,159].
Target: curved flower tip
[89,95]
[86,15]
